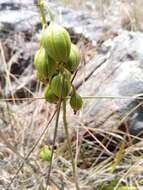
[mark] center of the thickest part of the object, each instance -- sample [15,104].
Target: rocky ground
[110,39]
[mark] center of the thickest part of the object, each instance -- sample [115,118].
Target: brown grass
[96,151]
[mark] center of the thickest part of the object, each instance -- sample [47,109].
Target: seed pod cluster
[55,62]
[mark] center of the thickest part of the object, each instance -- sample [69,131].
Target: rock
[120,75]
[24,16]
[136,122]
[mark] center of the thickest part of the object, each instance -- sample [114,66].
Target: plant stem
[55,132]
[42,13]
[69,144]
[54,140]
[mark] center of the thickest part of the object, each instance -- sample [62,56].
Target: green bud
[57,42]
[76,102]
[74,59]
[58,86]
[49,95]
[45,66]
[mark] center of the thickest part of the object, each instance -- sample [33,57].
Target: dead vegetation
[106,158]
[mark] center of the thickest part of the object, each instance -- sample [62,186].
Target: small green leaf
[45,153]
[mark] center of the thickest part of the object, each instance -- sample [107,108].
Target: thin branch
[54,140]
[134,97]
[69,145]
[41,5]
[21,99]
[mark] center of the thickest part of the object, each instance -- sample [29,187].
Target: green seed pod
[58,86]
[49,95]
[76,102]
[45,66]
[57,42]
[74,59]
[45,154]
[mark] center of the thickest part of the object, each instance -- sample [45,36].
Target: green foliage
[118,157]
[56,50]
[45,154]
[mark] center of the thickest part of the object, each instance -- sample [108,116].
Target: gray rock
[24,16]
[120,75]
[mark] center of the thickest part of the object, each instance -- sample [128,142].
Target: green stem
[54,140]
[42,13]
[73,89]
[55,132]
[69,144]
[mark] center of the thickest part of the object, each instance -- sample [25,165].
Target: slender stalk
[55,132]
[54,141]
[42,13]
[135,97]
[69,144]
